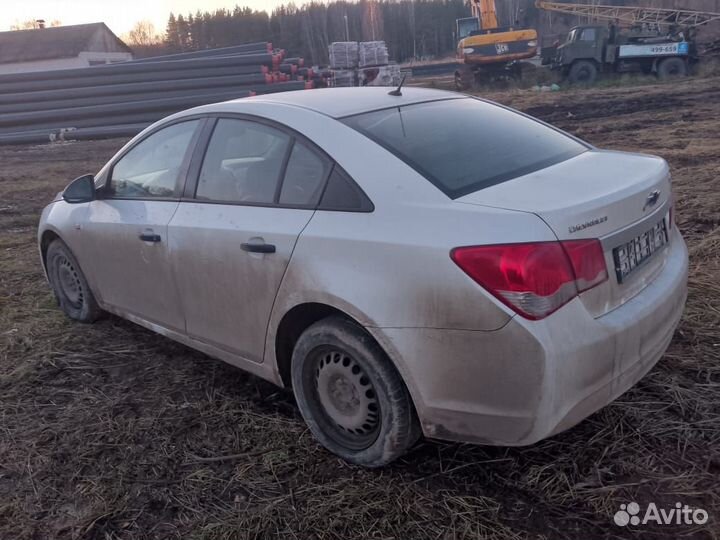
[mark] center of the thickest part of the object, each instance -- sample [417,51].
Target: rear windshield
[464,145]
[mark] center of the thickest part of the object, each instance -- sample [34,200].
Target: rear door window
[304,177]
[464,145]
[243,163]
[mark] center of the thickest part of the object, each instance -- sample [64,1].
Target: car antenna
[398,90]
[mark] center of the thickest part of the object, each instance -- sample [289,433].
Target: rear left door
[253,191]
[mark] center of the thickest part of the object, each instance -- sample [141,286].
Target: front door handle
[150,237]
[258,248]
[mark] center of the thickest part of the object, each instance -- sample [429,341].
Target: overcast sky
[119,15]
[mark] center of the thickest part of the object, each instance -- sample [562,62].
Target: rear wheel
[351,397]
[69,284]
[583,72]
[672,67]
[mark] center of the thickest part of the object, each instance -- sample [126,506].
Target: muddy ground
[110,431]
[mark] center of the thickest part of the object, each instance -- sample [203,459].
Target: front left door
[256,190]
[126,229]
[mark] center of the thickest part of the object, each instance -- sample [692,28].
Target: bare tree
[143,35]
[31,24]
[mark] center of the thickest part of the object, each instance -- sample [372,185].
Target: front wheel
[583,72]
[351,397]
[69,284]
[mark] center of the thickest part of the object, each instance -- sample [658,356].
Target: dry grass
[109,431]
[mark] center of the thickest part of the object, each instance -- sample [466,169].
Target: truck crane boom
[632,16]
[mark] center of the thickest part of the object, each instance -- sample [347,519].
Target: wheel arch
[301,316]
[46,238]
[291,326]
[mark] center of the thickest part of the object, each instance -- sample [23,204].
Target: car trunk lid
[620,198]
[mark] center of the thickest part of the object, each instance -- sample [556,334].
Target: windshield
[464,145]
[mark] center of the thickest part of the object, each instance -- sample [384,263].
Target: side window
[152,167]
[343,194]
[243,162]
[588,34]
[304,177]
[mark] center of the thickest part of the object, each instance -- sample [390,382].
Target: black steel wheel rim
[343,399]
[68,282]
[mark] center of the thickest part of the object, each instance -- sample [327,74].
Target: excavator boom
[632,16]
[486,12]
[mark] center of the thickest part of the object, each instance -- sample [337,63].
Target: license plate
[634,253]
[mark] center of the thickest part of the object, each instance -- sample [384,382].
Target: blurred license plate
[632,254]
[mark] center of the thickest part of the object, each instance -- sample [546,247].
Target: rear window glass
[464,145]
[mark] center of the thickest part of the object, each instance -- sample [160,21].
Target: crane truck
[487,50]
[634,39]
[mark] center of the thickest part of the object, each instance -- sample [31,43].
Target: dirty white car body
[479,363]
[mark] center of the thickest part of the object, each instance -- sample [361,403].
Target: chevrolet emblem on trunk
[651,199]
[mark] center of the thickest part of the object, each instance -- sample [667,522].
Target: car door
[255,189]
[125,234]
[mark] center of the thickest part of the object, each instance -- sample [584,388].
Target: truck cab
[583,43]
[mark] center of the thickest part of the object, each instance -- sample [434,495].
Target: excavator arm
[486,12]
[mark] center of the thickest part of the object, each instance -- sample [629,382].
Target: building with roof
[61,47]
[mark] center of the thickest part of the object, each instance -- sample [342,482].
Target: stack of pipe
[122,99]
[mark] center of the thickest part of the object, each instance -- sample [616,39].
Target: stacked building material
[361,64]
[122,99]
[372,53]
[379,75]
[343,54]
[344,77]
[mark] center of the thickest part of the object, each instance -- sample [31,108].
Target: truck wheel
[350,395]
[672,67]
[583,72]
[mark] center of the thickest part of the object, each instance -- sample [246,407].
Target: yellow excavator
[488,51]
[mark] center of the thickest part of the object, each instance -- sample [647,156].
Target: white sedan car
[419,264]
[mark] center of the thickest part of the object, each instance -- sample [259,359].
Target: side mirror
[80,190]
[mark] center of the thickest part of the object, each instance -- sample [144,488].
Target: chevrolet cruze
[418,264]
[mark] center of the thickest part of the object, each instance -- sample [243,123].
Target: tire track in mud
[597,106]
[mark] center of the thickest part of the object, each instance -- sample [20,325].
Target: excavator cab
[486,49]
[467,26]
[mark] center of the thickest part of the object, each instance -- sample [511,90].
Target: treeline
[411,28]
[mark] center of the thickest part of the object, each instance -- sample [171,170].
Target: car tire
[583,72]
[672,67]
[350,395]
[71,289]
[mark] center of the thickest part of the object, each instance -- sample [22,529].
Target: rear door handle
[258,248]
[150,237]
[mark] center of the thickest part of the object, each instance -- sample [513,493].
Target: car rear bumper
[533,379]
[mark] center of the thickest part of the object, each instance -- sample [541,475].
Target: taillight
[534,279]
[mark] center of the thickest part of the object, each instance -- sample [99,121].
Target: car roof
[339,102]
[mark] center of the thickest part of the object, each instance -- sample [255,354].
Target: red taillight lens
[588,262]
[534,279]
